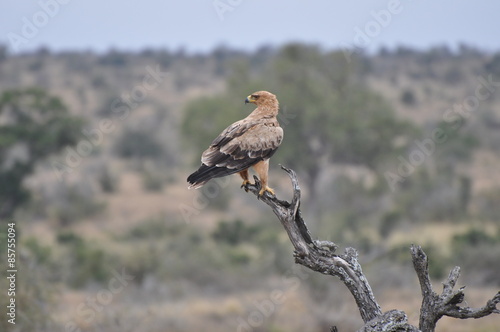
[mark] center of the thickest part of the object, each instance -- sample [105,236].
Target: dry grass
[438,234]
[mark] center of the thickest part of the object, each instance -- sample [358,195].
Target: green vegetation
[35,125]
[75,203]
[84,262]
[138,144]
[408,98]
[234,233]
[346,124]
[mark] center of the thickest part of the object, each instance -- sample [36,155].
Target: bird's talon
[269,190]
[245,185]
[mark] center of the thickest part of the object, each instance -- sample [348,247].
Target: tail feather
[206,173]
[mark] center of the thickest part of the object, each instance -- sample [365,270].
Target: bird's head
[261,98]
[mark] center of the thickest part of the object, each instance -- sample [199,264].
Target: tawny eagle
[249,142]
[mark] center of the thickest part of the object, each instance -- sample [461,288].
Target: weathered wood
[320,256]
[392,320]
[435,306]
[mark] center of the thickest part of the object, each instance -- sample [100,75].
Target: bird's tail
[206,173]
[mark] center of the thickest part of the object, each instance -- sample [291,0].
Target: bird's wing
[243,144]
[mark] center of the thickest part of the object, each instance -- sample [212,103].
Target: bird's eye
[255,96]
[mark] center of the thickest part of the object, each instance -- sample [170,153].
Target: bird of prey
[245,143]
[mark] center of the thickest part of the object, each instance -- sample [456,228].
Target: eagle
[249,142]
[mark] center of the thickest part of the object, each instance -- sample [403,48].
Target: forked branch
[320,256]
[435,306]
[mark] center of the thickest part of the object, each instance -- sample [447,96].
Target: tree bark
[435,306]
[320,256]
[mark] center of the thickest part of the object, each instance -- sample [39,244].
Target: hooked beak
[250,99]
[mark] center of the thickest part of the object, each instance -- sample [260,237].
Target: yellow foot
[269,190]
[244,184]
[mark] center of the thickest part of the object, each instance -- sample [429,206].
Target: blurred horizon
[267,47]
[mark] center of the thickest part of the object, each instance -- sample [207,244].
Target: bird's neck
[265,111]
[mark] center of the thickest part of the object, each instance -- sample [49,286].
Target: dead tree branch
[435,306]
[320,256]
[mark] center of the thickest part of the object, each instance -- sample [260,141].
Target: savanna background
[393,144]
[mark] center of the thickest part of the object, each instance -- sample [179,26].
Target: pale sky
[246,24]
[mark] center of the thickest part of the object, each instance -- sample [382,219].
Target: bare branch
[320,256]
[393,320]
[466,312]
[435,306]
[422,268]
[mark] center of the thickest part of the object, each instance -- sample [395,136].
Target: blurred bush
[70,203]
[235,232]
[138,144]
[408,97]
[472,238]
[488,206]
[83,262]
[493,66]
[34,125]
[107,179]
[477,253]
[153,228]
